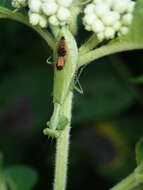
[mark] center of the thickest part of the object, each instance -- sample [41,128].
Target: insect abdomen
[60,63]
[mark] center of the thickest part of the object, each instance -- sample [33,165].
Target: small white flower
[16,4]
[43,21]
[37,19]
[89,9]
[98,26]
[123,30]
[127,19]
[89,18]
[63,14]
[101,9]
[65,3]
[109,33]
[110,18]
[19,3]
[34,18]
[49,8]
[53,20]
[88,28]
[35,6]
[120,5]
[101,36]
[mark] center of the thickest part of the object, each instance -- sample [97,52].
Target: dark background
[107,118]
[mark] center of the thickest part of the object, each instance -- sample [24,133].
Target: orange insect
[62,51]
[60,63]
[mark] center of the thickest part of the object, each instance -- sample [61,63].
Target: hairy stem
[62,99]
[63,148]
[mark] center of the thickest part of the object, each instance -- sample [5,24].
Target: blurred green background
[107,118]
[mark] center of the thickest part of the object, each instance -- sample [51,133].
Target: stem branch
[126,183]
[89,45]
[9,14]
[108,49]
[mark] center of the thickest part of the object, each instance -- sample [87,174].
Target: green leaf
[133,40]
[139,151]
[20,177]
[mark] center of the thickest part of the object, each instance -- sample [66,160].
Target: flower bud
[63,14]
[101,9]
[110,18]
[34,18]
[89,9]
[98,26]
[35,6]
[49,8]
[19,3]
[89,18]
[37,19]
[123,30]
[53,20]
[120,5]
[127,19]
[109,33]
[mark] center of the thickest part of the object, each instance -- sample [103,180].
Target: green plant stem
[62,94]
[126,184]
[133,181]
[9,14]
[114,47]
[63,148]
[73,26]
[89,45]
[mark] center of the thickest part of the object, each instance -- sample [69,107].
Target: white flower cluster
[44,12]
[108,18]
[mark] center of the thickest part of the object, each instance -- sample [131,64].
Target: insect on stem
[62,51]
